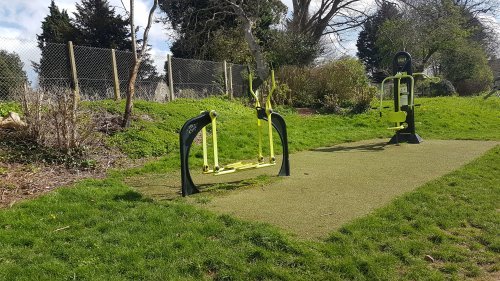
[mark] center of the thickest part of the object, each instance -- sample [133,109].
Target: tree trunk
[127,116]
[130,94]
[262,67]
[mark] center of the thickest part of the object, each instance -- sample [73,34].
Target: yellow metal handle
[433,79]
[250,85]
[271,91]
[213,116]
[397,77]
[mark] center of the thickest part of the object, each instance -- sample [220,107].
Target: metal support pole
[74,76]
[76,93]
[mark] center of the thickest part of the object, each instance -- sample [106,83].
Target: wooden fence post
[231,92]
[226,85]
[76,94]
[116,82]
[74,76]
[170,77]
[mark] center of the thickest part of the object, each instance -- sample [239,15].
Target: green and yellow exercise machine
[193,126]
[403,115]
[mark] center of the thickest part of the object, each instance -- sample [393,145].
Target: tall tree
[424,30]
[56,27]
[368,52]
[199,22]
[441,32]
[99,26]
[466,66]
[474,13]
[207,28]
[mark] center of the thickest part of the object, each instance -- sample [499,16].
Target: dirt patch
[27,170]
[306,111]
[22,181]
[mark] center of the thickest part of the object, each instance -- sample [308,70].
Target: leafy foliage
[466,66]
[445,36]
[56,27]
[6,107]
[424,32]
[95,24]
[368,51]
[209,30]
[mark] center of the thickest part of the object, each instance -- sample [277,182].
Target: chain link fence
[201,79]
[103,73]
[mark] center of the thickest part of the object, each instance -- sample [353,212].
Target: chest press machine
[403,116]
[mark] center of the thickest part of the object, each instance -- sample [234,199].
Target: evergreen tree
[99,26]
[368,52]
[56,27]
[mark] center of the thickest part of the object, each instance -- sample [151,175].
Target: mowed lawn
[104,230]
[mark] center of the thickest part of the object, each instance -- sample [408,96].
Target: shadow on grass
[131,196]
[380,146]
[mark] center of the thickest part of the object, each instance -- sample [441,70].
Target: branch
[148,27]
[125,9]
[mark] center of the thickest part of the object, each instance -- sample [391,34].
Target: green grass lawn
[104,230]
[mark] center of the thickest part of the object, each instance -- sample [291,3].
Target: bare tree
[138,57]
[330,17]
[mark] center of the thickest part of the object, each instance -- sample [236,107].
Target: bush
[337,87]
[443,88]
[298,80]
[467,68]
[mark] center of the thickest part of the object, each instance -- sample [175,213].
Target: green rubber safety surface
[327,187]
[331,186]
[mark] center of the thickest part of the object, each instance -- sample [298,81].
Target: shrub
[299,82]
[59,132]
[466,66]
[337,87]
[443,88]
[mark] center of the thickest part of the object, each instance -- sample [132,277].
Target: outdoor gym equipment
[193,126]
[403,116]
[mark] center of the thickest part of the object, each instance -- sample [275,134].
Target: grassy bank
[155,130]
